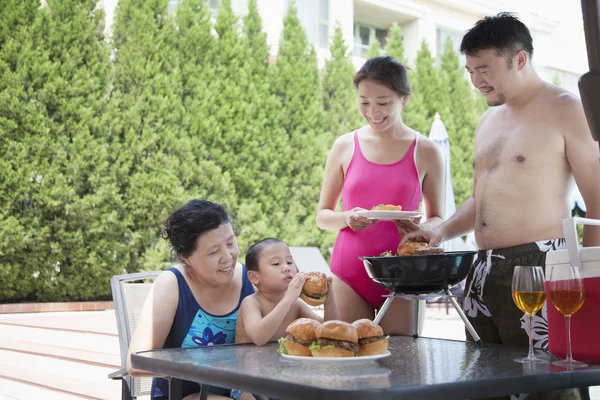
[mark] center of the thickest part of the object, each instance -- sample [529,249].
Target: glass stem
[568,323]
[530,318]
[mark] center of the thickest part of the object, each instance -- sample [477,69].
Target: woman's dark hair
[253,253]
[503,33]
[385,70]
[188,223]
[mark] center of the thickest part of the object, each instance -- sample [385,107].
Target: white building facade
[556,27]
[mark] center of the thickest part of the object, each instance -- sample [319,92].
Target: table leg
[203,391]
[175,389]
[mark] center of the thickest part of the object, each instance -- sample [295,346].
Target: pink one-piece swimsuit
[366,185]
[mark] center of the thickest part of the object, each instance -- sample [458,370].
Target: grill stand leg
[416,308]
[386,304]
[462,315]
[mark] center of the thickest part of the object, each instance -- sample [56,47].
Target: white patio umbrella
[439,134]
[576,199]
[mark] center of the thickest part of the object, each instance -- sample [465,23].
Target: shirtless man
[529,145]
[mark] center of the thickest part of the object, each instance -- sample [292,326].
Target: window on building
[314,17]
[364,35]
[456,37]
[442,34]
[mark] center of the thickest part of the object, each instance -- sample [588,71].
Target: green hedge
[101,138]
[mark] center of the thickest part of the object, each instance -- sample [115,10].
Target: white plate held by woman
[389,215]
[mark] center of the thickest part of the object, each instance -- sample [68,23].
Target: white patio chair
[310,259]
[129,293]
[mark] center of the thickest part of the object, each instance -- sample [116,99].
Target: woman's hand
[356,222]
[408,225]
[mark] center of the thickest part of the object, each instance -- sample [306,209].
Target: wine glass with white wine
[567,294]
[529,295]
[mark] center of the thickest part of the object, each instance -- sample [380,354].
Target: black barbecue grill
[421,277]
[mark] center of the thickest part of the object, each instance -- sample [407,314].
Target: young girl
[265,315]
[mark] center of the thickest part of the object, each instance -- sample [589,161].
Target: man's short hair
[504,33]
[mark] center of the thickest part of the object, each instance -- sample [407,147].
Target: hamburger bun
[338,330]
[365,328]
[408,248]
[418,248]
[374,348]
[301,333]
[296,349]
[386,207]
[304,329]
[314,291]
[335,339]
[332,352]
[370,338]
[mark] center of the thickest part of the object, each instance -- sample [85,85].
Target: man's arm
[461,223]
[584,158]
[463,220]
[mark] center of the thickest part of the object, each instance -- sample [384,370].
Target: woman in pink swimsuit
[383,162]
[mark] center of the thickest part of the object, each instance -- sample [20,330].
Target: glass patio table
[421,368]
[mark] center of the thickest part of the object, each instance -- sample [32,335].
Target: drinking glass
[529,295]
[567,294]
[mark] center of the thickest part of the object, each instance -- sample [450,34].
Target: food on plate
[301,333]
[386,254]
[418,248]
[370,338]
[335,339]
[386,207]
[314,291]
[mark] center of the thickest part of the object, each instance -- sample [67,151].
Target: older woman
[194,304]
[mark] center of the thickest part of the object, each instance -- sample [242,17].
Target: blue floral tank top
[194,327]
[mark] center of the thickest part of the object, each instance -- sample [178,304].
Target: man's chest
[505,143]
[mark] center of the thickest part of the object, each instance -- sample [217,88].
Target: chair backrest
[310,259]
[129,294]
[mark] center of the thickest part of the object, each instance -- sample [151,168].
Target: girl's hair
[385,70]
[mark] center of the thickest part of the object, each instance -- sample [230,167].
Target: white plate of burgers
[388,212]
[333,342]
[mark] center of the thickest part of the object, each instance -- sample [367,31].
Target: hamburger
[314,291]
[418,248]
[335,339]
[300,335]
[370,338]
[386,207]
